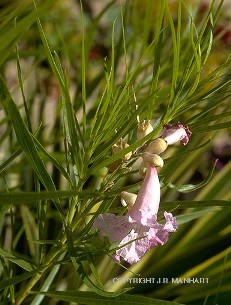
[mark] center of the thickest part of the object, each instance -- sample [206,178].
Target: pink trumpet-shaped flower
[177,132]
[138,231]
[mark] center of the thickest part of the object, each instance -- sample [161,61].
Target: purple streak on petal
[147,202]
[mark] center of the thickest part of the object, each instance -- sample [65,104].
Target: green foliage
[93,298]
[73,82]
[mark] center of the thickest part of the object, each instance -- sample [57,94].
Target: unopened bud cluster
[151,153]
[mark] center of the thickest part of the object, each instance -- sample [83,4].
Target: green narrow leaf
[18,198]
[26,141]
[53,160]
[176,34]
[91,298]
[17,279]
[83,69]
[124,42]
[10,159]
[17,260]
[22,88]
[24,137]
[186,188]
[72,128]
[194,215]
[47,282]
[157,48]
[9,34]
[4,210]
[216,126]
[179,204]
[80,268]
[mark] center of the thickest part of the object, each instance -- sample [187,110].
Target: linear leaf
[91,298]
[17,279]
[17,260]
[24,137]
[195,204]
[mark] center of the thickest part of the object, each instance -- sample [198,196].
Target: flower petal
[133,251]
[147,202]
[158,233]
[115,227]
[157,236]
[171,224]
[174,133]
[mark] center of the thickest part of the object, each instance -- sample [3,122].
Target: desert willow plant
[159,69]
